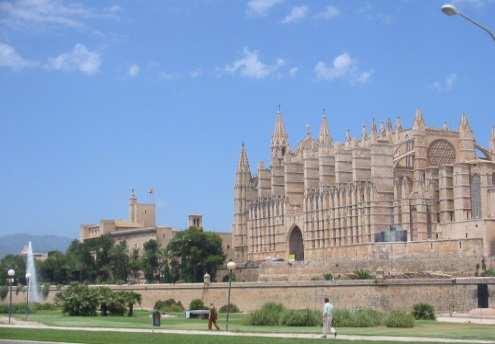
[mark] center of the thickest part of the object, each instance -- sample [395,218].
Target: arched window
[493,178]
[476,196]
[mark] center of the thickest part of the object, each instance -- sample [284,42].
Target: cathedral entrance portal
[296,244]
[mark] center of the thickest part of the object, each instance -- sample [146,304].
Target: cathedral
[428,191]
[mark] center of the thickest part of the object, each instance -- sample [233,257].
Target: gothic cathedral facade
[391,184]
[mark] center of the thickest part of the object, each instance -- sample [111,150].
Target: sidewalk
[248,334]
[467,320]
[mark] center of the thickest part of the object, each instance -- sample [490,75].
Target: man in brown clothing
[212,317]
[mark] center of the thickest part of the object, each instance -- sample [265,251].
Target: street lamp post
[451,10]
[28,285]
[230,266]
[10,281]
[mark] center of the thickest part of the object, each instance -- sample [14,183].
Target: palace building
[141,227]
[419,195]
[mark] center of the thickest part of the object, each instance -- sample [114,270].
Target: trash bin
[156,318]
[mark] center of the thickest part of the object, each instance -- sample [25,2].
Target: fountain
[33,287]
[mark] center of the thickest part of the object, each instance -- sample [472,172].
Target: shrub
[44,307]
[399,319]
[79,299]
[197,304]
[17,308]
[362,274]
[328,276]
[362,317]
[105,297]
[366,317]
[233,308]
[343,318]
[268,315]
[117,304]
[424,311]
[4,291]
[489,273]
[169,306]
[304,317]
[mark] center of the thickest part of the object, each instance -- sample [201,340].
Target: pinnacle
[280,137]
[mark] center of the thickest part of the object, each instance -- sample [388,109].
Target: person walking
[212,317]
[327,319]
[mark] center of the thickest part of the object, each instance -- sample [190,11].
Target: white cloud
[134,70]
[51,13]
[196,73]
[79,58]
[342,67]
[261,7]
[363,77]
[10,58]
[250,66]
[446,85]
[296,14]
[328,13]
[293,71]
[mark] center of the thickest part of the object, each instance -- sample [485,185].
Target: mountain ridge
[13,243]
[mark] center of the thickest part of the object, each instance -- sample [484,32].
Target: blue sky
[98,97]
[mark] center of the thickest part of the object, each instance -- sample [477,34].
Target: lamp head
[11,272]
[449,10]
[231,265]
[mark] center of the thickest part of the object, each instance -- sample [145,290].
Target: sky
[98,97]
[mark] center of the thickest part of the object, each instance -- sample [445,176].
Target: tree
[119,262]
[16,262]
[151,261]
[131,298]
[81,261]
[55,269]
[197,252]
[174,270]
[135,264]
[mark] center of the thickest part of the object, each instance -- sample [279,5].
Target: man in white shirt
[327,318]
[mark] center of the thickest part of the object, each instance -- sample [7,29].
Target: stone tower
[243,194]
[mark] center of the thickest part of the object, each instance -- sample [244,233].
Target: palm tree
[131,298]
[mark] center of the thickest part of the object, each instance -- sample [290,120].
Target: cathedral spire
[419,122]
[348,137]
[279,137]
[464,127]
[243,165]
[364,133]
[325,139]
[398,124]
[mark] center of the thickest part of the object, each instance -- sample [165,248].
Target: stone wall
[456,257]
[383,295]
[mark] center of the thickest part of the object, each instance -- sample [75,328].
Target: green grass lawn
[146,338]
[142,319]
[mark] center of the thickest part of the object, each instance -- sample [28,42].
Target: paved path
[257,334]
[468,320]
